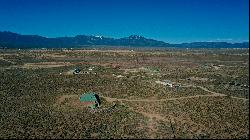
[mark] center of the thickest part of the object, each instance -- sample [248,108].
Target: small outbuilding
[76,71]
[90,99]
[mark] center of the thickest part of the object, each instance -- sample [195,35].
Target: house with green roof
[90,99]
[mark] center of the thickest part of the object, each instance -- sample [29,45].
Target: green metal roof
[89,96]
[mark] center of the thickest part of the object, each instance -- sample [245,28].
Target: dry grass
[39,102]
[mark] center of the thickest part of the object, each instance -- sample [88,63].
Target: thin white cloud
[224,39]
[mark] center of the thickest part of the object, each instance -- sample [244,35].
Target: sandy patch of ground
[120,65]
[199,79]
[45,65]
[1,58]
[96,50]
[62,98]
[70,101]
[54,55]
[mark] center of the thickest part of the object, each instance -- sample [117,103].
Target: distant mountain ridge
[14,40]
[213,45]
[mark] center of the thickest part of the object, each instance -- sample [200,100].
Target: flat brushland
[39,93]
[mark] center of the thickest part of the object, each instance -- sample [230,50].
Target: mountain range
[14,40]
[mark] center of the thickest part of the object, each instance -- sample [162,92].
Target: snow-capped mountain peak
[99,36]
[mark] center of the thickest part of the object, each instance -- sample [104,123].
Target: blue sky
[173,21]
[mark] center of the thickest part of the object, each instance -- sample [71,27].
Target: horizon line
[226,40]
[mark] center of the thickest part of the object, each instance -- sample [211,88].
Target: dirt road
[214,94]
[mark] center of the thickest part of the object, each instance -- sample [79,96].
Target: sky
[172,21]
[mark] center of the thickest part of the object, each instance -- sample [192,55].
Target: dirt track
[109,99]
[214,94]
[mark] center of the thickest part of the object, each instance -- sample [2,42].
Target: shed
[76,71]
[90,99]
